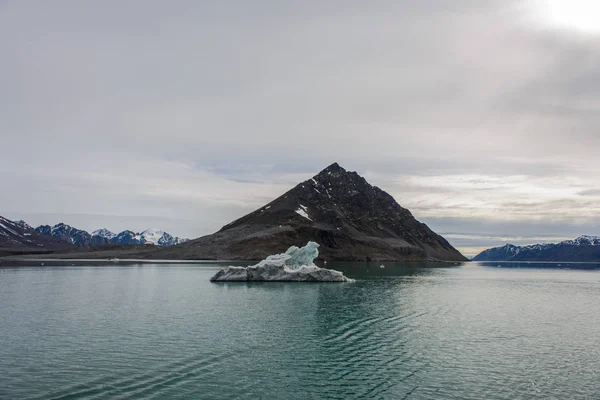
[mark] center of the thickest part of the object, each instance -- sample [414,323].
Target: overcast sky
[480,116]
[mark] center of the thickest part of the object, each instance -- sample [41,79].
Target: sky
[482,117]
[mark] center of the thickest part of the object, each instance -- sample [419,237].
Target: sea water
[155,331]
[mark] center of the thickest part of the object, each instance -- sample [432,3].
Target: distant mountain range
[77,237]
[582,249]
[21,237]
[18,237]
[340,210]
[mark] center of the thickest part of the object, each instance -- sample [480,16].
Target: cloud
[202,111]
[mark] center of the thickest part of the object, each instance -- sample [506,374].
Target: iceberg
[295,265]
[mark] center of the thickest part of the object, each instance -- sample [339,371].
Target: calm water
[165,331]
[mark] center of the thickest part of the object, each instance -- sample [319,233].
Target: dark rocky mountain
[340,210]
[67,234]
[103,237]
[17,237]
[23,225]
[127,237]
[582,249]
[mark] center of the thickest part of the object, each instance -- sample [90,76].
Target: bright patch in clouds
[580,15]
[511,197]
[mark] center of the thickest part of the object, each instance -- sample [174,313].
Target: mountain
[17,237]
[149,236]
[340,210]
[159,238]
[67,234]
[103,237]
[582,249]
[127,237]
[104,233]
[22,224]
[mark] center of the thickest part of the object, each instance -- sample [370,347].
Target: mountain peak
[588,237]
[333,170]
[104,233]
[339,209]
[335,167]
[584,240]
[23,224]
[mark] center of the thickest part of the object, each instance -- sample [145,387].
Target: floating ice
[295,265]
[302,256]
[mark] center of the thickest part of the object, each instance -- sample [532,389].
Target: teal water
[402,332]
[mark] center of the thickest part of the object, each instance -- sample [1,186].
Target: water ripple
[166,332]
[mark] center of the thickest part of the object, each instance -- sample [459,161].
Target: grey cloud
[203,110]
[529,231]
[591,193]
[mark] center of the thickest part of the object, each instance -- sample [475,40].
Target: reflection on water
[403,331]
[371,269]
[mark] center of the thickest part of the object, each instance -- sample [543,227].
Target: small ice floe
[295,265]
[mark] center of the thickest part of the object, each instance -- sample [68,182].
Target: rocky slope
[67,234]
[338,209]
[17,237]
[582,249]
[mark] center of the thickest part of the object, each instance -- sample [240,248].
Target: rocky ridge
[583,249]
[17,237]
[103,237]
[351,219]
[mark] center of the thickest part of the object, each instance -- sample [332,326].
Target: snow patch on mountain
[104,233]
[8,229]
[18,235]
[303,212]
[24,225]
[584,240]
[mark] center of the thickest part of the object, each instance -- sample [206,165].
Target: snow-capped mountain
[104,233]
[152,235]
[67,234]
[127,237]
[584,240]
[102,237]
[584,248]
[159,238]
[17,237]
